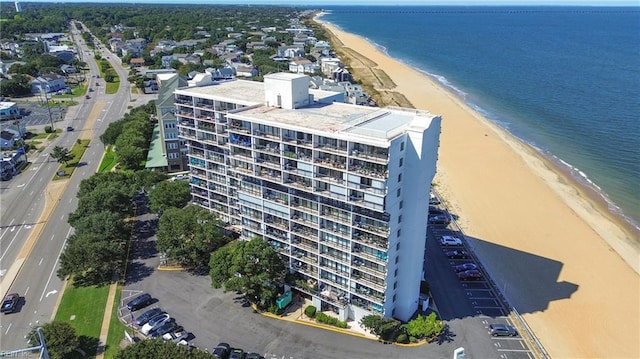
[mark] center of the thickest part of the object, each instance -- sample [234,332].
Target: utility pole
[46,98]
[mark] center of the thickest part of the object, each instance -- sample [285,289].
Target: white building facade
[340,191]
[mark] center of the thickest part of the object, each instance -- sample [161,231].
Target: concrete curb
[170,268]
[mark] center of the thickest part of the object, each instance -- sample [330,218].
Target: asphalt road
[22,205]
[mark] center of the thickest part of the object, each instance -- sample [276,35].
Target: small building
[48,83]
[9,111]
[136,62]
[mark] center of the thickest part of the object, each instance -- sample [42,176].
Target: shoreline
[556,219]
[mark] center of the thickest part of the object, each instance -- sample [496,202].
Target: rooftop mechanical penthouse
[340,191]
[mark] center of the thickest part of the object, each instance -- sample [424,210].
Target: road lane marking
[55,263]
[40,263]
[52,237]
[10,243]
[513,350]
[9,327]
[26,291]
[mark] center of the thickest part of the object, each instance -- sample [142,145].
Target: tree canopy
[60,337]
[189,235]
[170,194]
[157,348]
[61,154]
[252,267]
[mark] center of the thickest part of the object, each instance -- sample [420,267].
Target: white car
[450,241]
[179,337]
[155,322]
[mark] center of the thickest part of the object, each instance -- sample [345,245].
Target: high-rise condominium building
[340,190]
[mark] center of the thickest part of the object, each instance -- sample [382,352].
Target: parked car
[502,330]
[180,336]
[236,353]
[433,210]
[168,326]
[69,128]
[433,199]
[471,274]
[464,267]
[155,322]
[221,351]
[87,97]
[254,356]
[439,219]
[450,241]
[144,317]
[10,303]
[457,254]
[139,302]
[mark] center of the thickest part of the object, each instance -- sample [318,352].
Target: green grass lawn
[108,161]
[83,308]
[77,151]
[112,87]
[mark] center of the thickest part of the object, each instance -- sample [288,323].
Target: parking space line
[514,350]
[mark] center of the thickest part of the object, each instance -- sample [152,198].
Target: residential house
[246,71]
[329,64]
[302,65]
[341,75]
[136,62]
[48,83]
[68,69]
[290,51]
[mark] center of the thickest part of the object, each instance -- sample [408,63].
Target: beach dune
[569,268]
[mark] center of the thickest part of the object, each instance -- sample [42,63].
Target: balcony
[370,294]
[378,286]
[370,153]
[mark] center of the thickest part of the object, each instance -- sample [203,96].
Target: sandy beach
[569,268]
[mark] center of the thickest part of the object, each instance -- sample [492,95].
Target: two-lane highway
[34,225]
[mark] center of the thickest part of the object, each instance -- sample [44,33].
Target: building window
[397,259]
[402,146]
[394,298]
[395,273]
[398,246]
[395,286]
[400,219]
[398,233]
[400,204]
[401,162]
[169,125]
[398,192]
[400,177]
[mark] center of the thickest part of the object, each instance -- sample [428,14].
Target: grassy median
[77,151]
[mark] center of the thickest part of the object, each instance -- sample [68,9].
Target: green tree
[146,179]
[384,328]
[60,337]
[425,326]
[157,348]
[170,194]
[252,267]
[189,235]
[110,225]
[61,154]
[107,196]
[91,260]
[131,149]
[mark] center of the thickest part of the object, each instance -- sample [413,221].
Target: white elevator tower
[18,7]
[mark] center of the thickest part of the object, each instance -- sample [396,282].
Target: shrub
[310,311]
[402,338]
[413,340]
[48,129]
[342,324]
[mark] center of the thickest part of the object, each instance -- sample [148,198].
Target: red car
[471,274]
[10,303]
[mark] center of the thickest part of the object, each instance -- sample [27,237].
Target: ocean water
[564,79]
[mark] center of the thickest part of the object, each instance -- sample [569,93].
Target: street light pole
[46,98]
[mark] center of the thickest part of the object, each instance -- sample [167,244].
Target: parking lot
[483,304]
[35,112]
[213,316]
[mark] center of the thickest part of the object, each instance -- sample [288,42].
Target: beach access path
[564,264]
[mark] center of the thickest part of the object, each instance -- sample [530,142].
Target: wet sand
[567,265]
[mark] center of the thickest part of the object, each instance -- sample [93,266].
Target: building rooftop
[341,118]
[248,93]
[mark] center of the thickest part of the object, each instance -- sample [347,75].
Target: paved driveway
[214,316]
